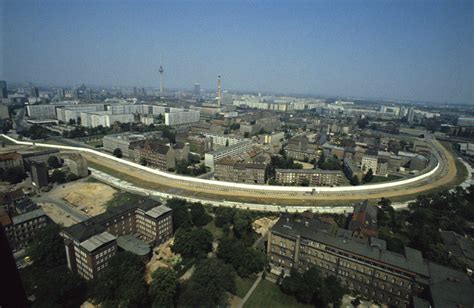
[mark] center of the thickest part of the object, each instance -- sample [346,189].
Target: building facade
[310,177]
[90,244]
[232,171]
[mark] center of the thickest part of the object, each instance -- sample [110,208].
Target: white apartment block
[182,117]
[41,111]
[220,141]
[227,152]
[369,162]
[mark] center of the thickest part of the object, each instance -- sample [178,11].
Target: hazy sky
[421,50]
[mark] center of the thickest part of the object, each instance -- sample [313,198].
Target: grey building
[39,175]
[3,89]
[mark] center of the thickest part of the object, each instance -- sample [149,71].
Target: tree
[58,176]
[208,285]
[193,243]
[181,217]
[199,216]
[182,167]
[355,180]
[245,260]
[164,287]
[224,216]
[71,177]
[56,287]
[121,283]
[369,176]
[117,153]
[54,162]
[243,226]
[47,247]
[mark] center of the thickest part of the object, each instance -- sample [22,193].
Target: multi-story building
[220,141]
[68,113]
[182,117]
[154,153]
[121,141]
[41,111]
[200,144]
[10,160]
[311,177]
[21,228]
[4,114]
[104,118]
[232,151]
[3,89]
[91,243]
[369,162]
[365,268]
[351,169]
[300,149]
[77,164]
[240,172]
[39,174]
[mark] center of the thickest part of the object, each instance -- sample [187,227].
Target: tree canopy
[164,287]
[245,260]
[117,153]
[54,162]
[47,247]
[192,243]
[208,285]
[121,283]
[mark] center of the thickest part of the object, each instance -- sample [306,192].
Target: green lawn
[243,285]
[268,294]
[217,233]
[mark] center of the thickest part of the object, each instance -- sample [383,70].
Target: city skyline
[402,50]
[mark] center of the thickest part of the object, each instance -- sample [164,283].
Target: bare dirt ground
[57,215]
[262,225]
[162,257]
[88,197]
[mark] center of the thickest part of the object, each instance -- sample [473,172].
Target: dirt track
[445,177]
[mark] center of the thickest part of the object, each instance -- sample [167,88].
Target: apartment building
[77,164]
[20,229]
[121,141]
[240,172]
[182,117]
[41,111]
[300,149]
[221,141]
[155,153]
[91,243]
[369,162]
[68,113]
[311,177]
[232,151]
[11,160]
[365,268]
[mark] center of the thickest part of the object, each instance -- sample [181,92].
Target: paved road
[63,205]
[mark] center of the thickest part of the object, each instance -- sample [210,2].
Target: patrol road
[442,173]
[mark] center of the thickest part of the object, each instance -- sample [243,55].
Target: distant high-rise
[3,89]
[88,94]
[60,92]
[197,90]
[161,70]
[34,92]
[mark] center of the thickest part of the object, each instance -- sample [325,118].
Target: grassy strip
[243,285]
[268,294]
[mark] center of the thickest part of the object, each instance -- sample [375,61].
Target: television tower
[161,70]
[219,90]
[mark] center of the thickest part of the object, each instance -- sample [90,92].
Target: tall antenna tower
[219,90]
[161,70]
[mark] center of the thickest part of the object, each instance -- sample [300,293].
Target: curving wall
[254,187]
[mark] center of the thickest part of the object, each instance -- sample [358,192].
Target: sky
[406,50]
